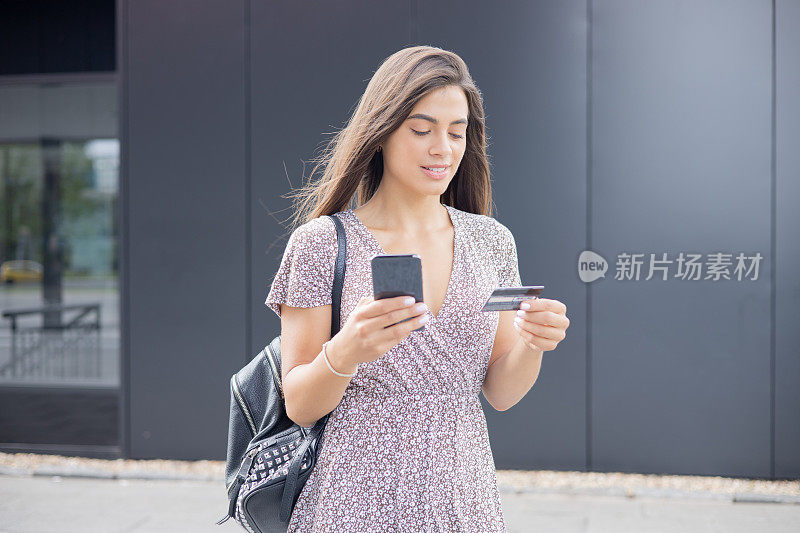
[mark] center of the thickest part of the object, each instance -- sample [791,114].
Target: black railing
[57,349]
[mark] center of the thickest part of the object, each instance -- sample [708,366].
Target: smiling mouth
[437,170]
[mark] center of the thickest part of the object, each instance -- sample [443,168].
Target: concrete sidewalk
[43,504]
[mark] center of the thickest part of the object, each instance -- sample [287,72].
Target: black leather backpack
[270,457]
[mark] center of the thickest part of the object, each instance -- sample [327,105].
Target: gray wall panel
[681,162]
[186,201]
[529,60]
[787,249]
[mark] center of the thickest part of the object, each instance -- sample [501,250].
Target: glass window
[59,250]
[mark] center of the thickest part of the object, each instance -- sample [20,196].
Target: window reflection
[59,159]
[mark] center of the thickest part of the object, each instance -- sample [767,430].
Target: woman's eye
[427,132]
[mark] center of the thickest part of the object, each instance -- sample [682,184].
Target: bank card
[509,298]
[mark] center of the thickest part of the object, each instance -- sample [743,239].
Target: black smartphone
[397,275]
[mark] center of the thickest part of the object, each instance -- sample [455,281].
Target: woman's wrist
[337,358]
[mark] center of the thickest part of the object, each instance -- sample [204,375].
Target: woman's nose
[441,146]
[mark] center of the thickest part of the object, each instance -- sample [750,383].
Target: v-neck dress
[407,448]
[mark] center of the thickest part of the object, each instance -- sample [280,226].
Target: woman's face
[433,135]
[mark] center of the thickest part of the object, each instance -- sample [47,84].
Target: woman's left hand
[543,325]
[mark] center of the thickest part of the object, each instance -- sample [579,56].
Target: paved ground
[43,504]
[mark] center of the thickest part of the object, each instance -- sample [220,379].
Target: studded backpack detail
[270,457]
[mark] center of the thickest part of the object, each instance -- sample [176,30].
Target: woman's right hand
[369,333]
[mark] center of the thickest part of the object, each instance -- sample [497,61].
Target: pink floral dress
[407,448]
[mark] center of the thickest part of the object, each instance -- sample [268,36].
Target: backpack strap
[338,277]
[290,485]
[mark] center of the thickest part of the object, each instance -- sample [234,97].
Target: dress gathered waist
[408,396]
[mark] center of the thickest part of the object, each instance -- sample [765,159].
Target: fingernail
[520,313]
[525,305]
[423,319]
[410,300]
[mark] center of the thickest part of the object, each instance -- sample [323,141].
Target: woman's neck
[417,217]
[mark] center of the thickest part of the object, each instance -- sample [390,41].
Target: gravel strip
[650,485]
[519,481]
[34,464]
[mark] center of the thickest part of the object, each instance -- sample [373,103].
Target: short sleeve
[305,275]
[508,264]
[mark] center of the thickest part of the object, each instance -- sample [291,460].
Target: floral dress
[407,448]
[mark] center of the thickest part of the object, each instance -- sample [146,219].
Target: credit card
[509,298]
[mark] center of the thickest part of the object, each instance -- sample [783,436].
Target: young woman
[406,446]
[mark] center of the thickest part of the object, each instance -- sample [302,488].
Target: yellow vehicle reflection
[20,270]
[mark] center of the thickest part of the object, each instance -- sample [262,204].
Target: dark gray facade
[785,313]
[681,121]
[615,126]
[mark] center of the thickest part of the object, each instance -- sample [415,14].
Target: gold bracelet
[327,362]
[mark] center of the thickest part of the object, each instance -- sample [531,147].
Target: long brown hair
[350,162]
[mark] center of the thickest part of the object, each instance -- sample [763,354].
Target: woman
[406,446]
